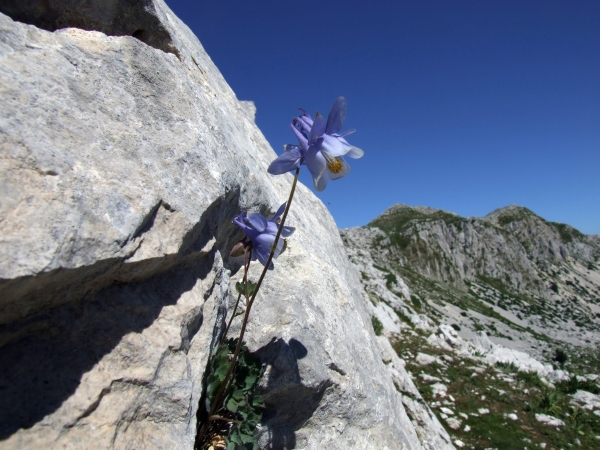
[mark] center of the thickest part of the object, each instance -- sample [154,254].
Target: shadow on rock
[289,402]
[41,366]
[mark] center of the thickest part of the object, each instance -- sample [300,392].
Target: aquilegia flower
[260,235]
[321,146]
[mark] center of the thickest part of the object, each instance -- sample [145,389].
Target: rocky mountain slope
[510,288]
[124,156]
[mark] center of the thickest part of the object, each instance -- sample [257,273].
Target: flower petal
[355,153]
[272,228]
[334,147]
[315,163]
[262,248]
[301,138]
[337,116]
[290,160]
[257,221]
[304,113]
[342,173]
[321,183]
[317,130]
[287,231]
[305,123]
[345,133]
[279,212]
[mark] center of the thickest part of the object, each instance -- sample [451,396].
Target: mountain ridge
[494,317]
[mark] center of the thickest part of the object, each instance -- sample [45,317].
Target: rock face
[510,270]
[124,156]
[480,313]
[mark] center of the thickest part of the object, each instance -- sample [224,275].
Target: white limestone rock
[424,359]
[482,341]
[558,375]
[439,390]
[428,378]
[453,423]
[431,433]
[422,322]
[447,411]
[522,360]
[549,420]
[123,161]
[587,400]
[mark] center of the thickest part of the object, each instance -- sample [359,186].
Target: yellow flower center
[335,165]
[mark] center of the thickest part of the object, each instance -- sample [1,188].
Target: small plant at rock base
[240,411]
[550,402]
[232,410]
[511,367]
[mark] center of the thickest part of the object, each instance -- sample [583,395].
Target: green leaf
[235,436]
[238,394]
[258,402]
[232,405]
[250,382]
[248,438]
[240,287]
[252,419]
[221,372]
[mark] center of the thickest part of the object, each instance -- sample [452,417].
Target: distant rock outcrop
[490,317]
[124,157]
[533,272]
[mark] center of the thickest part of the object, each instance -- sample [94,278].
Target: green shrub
[573,385]
[560,356]
[530,378]
[416,301]
[377,326]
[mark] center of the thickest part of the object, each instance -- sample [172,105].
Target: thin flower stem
[228,377]
[246,265]
[231,319]
[224,418]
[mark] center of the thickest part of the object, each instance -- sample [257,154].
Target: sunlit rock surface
[124,156]
[487,312]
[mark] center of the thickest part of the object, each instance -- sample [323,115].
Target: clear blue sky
[466,106]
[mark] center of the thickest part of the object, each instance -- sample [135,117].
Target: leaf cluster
[240,403]
[240,287]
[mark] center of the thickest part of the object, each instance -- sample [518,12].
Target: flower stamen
[335,165]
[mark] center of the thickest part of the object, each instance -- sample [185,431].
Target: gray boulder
[124,156]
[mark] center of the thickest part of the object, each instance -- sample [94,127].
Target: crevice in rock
[148,221]
[25,296]
[335,368]
[136,18]
[58,325]
[190,326]
[55,348]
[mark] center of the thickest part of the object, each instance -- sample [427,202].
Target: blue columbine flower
[321,146]
[261,234]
